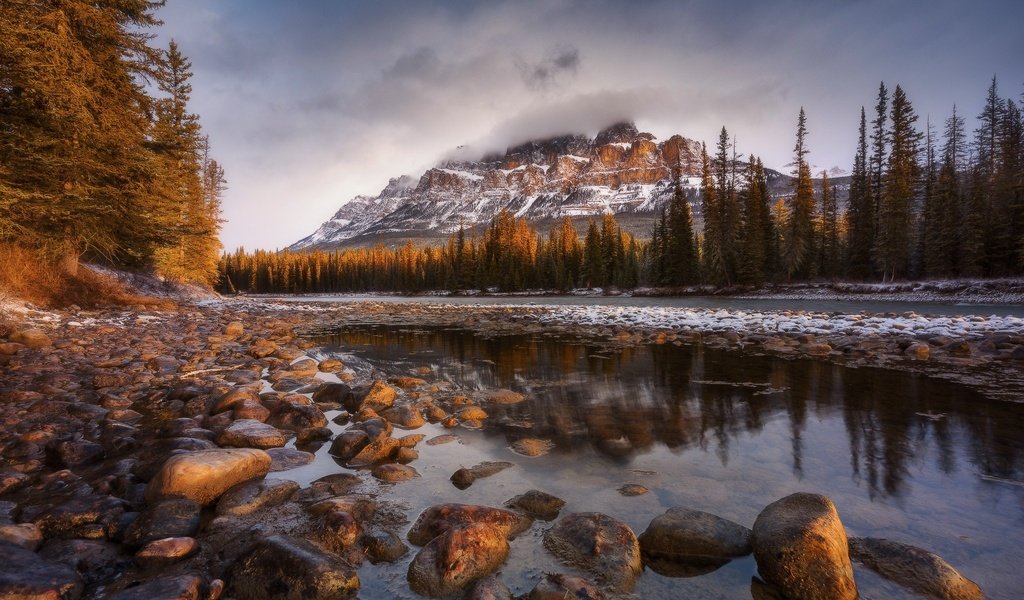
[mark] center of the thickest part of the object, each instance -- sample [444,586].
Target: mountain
[621,170]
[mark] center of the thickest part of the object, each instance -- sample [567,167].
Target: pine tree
[861,209]
[799,247]
[680,256]
[900,191]
[877,164]
[830,242]
[713,254]
[754,247]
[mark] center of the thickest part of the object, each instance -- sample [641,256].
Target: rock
[32,338]
[330,364]
[360,507]
[437,519]
[381,396]
[681,534]
[406,455]
[27,576]
[599,544]
[295,416]
[250,433]
[383,546]
[182,587]
[286,568]
[557,586]
[914,568]
[73,453]
[25,535]
[538,504]
[444,438]
[170,518]
[503,397]
[532,447]
[395,473]
[249,497]
[633,489]
[69,518]
[456,558]
[463,478]
[918,351]
[166,551]
[407,417]
[234,329]
[374,452]
[474,413]
[488,588]
[349,443]
[285,459]
[205,475]
[338,531]
[335,393]
[95,562]
[234,397]
[800,547]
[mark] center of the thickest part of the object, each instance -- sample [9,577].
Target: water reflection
[624,402]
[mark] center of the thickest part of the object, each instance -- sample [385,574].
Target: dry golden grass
[25,276]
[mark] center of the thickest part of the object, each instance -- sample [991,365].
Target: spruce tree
[681,257]
[901,185]
[799,247]
[876,165]
[861,209]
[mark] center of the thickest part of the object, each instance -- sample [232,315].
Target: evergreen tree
[680,256]
[713,254]
[861,209]
[877,164]
[799,247]
[755,248]
[901,183]
[830,239]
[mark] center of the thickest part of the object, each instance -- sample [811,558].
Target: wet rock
[11,481]
[250,409]
[918,351]
[444,438]
[25,535]
[914,568]
[262,348]
[166,551]
[394,473]
[296,416]
[801,548]
[599,544]
[31,338]
[463,478]
[339,483]
[286,568]
[205,475]
[95,562]
[488,588]
[26,575]
[374,452]
[361,508]
[558,586]
[633,489]
[471,413]
[338,530]
[234,329]
[532,447]
[407,417]
[330,364]
[456,558]
[70,517]
[285,459]
[246,498]
[182,587]
[73,453]
[381,396]
[334,393]
[347,444]
[685,535]
[233,397]
[249,433]
[406,455]
[170,518]
[502,397]
[537,504]
[383,546]
[437,519]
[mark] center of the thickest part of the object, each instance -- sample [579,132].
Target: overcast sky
[308,103]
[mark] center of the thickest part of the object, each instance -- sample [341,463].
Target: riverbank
[122,433]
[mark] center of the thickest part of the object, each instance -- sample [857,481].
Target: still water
[904,457]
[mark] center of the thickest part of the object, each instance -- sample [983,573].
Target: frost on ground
[859,325]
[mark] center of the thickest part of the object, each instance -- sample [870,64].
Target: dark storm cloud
[560,62]
[308,104]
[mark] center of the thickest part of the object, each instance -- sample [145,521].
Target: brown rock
[914,568]
[437,519]
[205,475]
[287,568]
[32,338]
[801,548]
[250,433]
[537,504]
[557,586]
[456,558]
[394,473]
[381,396]
[684,534]
[599,544]
[161,553]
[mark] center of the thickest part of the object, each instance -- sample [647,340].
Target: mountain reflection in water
[904,456]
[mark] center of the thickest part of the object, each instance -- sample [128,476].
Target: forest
[100,156]
[920,206]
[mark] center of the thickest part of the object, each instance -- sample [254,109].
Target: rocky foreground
[146,456]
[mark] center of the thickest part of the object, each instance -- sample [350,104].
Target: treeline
[918,207]
[509,256]
[99,155]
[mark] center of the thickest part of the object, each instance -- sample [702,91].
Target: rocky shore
[145,455]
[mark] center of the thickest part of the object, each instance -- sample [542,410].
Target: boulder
[285,459]
[250,433]
[380,397]
[205,475]
[285,568]
[383,546]
[599,544]
[801,548]
[488,588]
[333,393]
[251,496]
[27,576]
[692,535]
[456,558]
[914,568]
[440,518]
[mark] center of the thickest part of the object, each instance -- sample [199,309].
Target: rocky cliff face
[622,171]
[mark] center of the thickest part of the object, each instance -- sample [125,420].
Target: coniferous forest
[922,204]
[100,157]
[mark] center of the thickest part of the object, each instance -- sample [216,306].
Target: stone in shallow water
[437,519]
[171,518]
[456,558]
[26,575]
[394,473]
[287,568]
[914,568]
[597,543]
[205,475]
[26,535]
[250,433]
[532,447]
[248,497]
[801,548]
[537,504]
[163,552]
[284,459]
[633,489]
[682,533]
[557,586]
[182,587]
[502,397]
[383,546]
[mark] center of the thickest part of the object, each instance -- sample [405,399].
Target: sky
[310,102]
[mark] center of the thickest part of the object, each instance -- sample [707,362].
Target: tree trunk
[69,260]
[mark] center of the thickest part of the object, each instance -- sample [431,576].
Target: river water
[903,456]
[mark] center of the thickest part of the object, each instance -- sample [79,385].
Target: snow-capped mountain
[622,171]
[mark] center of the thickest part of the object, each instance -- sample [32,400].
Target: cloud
[561,62]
